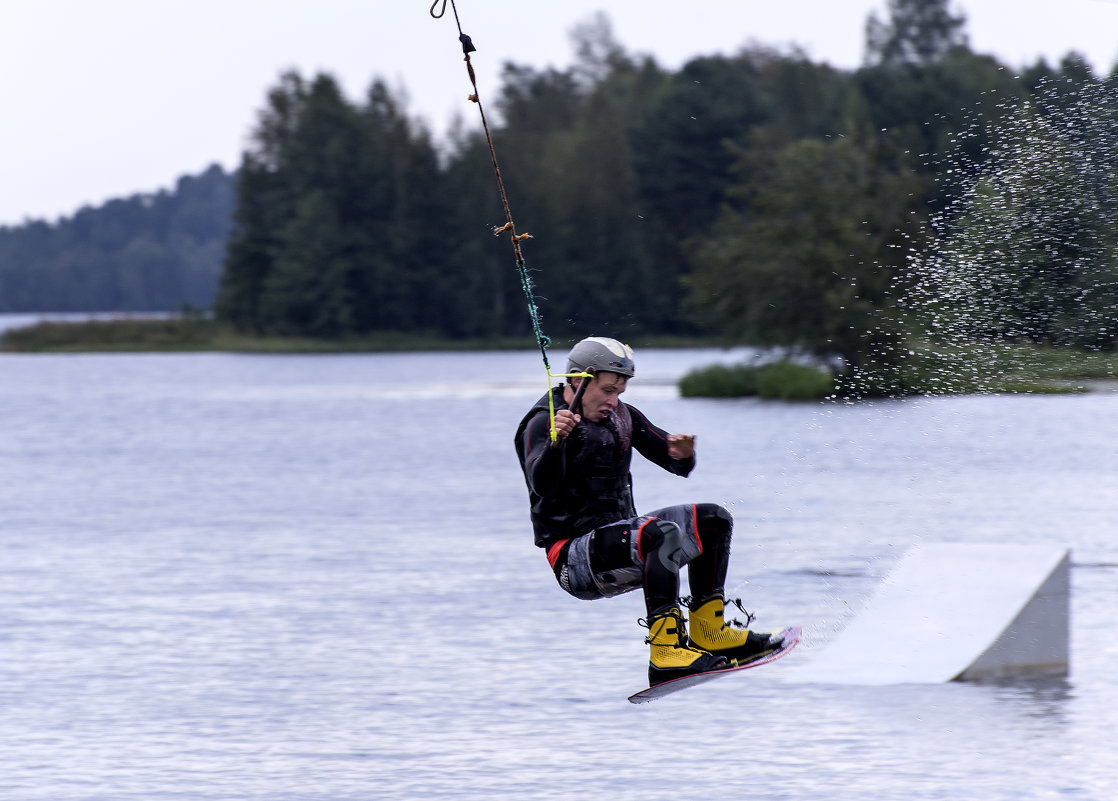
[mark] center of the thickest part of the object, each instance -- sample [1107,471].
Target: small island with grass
[1002,370]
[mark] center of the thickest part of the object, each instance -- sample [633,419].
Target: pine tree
[918,32]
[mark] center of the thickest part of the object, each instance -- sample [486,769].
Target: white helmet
[601,354]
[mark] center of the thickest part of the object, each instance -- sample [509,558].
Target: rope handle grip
[576,402]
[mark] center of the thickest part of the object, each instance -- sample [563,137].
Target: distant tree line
[148,252]
[760,197]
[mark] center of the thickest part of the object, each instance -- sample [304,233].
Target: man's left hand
[681,446]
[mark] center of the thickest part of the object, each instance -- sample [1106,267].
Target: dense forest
[149,252]
[759,197]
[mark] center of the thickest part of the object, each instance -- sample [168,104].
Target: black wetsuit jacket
[584,482]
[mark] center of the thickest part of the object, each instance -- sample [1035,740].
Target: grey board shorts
[578,575]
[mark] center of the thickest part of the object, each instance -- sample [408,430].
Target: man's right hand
[565,422]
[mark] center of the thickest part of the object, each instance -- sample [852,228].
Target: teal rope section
[533,310]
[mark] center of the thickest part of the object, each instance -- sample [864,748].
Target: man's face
[603,395]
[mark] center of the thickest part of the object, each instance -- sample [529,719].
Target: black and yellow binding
[710,632]
[671,654]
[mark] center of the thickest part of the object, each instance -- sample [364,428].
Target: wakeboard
[791,636]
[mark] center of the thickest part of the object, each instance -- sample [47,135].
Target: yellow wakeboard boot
[710,632]
[671,657]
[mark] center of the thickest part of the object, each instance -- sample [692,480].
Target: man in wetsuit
[583,516]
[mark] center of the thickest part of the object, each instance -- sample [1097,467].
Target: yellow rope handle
[551,397]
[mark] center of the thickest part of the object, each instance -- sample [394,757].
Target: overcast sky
[106,98]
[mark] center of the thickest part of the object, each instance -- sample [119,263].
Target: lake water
[262,577]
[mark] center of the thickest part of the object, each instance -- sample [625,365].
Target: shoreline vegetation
[200,334]
[197,332]
[986,368]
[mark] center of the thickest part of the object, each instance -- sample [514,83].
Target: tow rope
[521,267]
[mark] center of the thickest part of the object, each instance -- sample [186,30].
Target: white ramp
[954,611]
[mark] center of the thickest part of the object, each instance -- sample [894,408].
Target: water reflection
[1044,697]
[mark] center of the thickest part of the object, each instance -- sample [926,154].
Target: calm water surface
[286,577]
